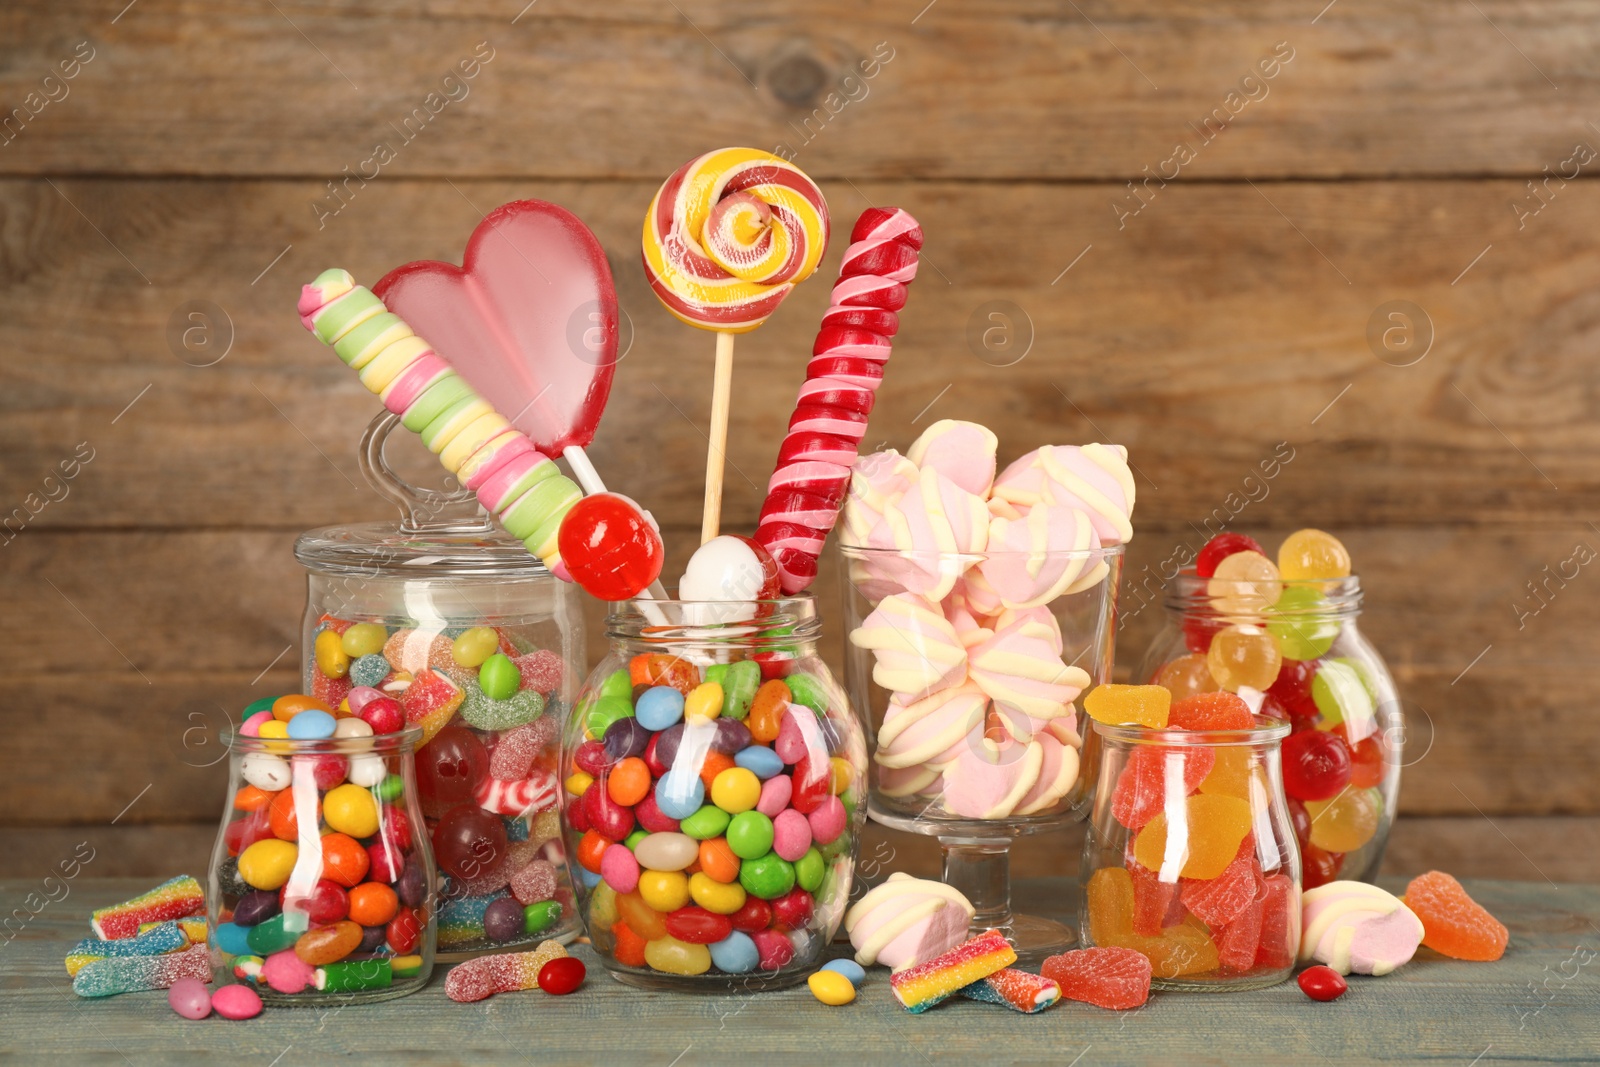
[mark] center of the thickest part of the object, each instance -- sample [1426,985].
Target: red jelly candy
[1316,765]
[1366,759]
[1320,867]
[1211,711]
[652,818]
[1453,924]
[606,817]
[1280,925]
[1141,789]
[1220,900]
[331,691]
[811,788]
[1113,978]
[383,714]
[1292,688]
[629,949]
[1238,941]
[1152,901]
[774,947]
[242,833]
[610,548]
[591,758]
[1322,983]
[698,926]
[755,915]
[561,976]
[1198,632]
[541,671]
[1220,548]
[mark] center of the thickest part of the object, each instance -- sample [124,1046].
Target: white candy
[725,573]
[366,771]
[265,771]
[352,727]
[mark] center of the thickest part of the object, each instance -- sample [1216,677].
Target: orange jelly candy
[328,944]
[1453,924]
[1230,777]
[1214,826]
[1211,711]
[629,950]
[287,707]
[641,918]
[1183,949]
[767,710]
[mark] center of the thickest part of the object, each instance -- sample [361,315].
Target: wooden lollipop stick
[721,394]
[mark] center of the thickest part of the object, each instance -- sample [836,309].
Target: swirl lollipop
[726,238]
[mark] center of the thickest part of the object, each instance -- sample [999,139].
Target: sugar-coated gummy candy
[516,749]
[485,712]
[503,920]
[1219,901]
[533,882]
[1015,989]
[236,1002]
[190,998]
[541,670]
[1322,983]
[831,987]
[161,938]
[1453,924]
[132,974]
[1131,705]
[1117,979]
[1183,948]
[1216,826]
[920,987]
[1211,711]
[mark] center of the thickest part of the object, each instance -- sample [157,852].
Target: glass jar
[973,705]
[714,797]
[1294,651]
[1203,878]
[321,886]
[482,648]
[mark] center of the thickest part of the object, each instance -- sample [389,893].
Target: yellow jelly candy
[735,790]
[1230,775]
[663,891]
[1244,584]
[1129,705]
[332,659]
[1244,656]
[677,957]
[603,907]
[1346,822]
[350,809]
[640,917]
[843,775]
[723,898]
[266,864]
[703,703]
[1183,949]
[363,639]
[474,646]
[832,988]
[275,730]
[1312,554]
[578,783]
[1186,676]
[1213,827]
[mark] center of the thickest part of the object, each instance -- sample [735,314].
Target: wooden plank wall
[1194,214]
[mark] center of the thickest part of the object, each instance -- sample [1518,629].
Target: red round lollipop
[610,547]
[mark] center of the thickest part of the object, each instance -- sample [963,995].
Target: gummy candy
[542,671]
[1292,688]
[1312,554]
[1215,827]
[1219,901]
[1220,548]
[486,713]
[1153,902]
[1185,948]
[1319,867]
[1244,585]
[1280,922]
[1316,765]
[431,701]
[1346,822]
[509,972]
[920,987]
[1243,656]
[176,898]
[1117,979]
[1453,923]
[516,750]
[132,974]
[1299,622]
[1017,990]
[1238,941]
[1188,675]
[1141,789]
[1134,705]
[1231,775]
[1211,711]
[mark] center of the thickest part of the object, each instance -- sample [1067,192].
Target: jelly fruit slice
[1141,789]
[1114,978]
[1453,924]
[1211,711]
[1211,830]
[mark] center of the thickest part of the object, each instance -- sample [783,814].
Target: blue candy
[311,725]
[659,707]
[849,968]
[232,939]
[680,794]
[759,761]
[369,670]
[736,953]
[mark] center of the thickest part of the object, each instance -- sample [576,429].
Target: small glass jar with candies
[451,626]
[1285,636]
[714,777]
[321,885]
[1190,857]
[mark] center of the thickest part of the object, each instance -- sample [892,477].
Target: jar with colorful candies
[1190,857]
[451,626]
[1285,636]
[714,777]
[321,885]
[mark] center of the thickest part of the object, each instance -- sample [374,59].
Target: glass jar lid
[441,534]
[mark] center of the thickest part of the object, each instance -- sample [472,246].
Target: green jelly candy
[633,839]
[264,704]
[390,788]
[269,937]
[347,976]
[806,689]
[767,877]
[1341,693]
[710,821]
[717,672]
[833,849]
[1302,627]
[606,710]
[537,918]
[809,869]
[479,710]
[499,677]
[617,684]
[749,834]
[739,688]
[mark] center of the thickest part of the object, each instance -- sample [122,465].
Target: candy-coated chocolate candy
[499,677]
[236,1002]
[619,868]
[1347,821]
[561,976]
[710,821]
[1220,548]
[327,903]
[831,987]
[385,861]
[1316,765]
[723,898]
[698,926]
[469,841]
[190,998]
[659,707]
[1243,656]
[776,950]
[629,782]
[719,861]
[285,972]
[265,771]
[735,954]
[791,835]
[809,870]
[266,864]
[373,904]
[853,972]
[1322,983]
[474,645]
[610,546]
[1216,826]
[232,938]
[768,877]
[350,809]
[1135,705]
[671,956]
[704,702]
[1312,554]
[793,910]
[679,797]
[662,891]
[282,818]
[759,760]
[736,790]
[257,906]
[330,655]
[627,737]
[828,820]
[775,795]
[404,932]
[750,835]
[311,725]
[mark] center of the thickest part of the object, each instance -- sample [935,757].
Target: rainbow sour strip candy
[133,974]
[178,898]
[1017,990]
[921,987]
[159,940]
[506,973]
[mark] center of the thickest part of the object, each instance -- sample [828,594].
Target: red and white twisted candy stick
[830,417]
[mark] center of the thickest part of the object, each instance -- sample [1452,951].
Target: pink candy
[827,821]
[534,882]
[516,750]
[287,973]
[791,836]
[619,869]
[236,1002]
[775,794]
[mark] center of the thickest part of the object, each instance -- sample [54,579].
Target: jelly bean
[759,760]
[629,782]
[828,820]
[255,907]
[561,976]
[499,677]
[350,809]
[236,1002]
[776,950]
[628,949]
[698,926]
[739,688]
[666,749]
[750,835]
[652,818]
[503,920]
[663,891]
[619,868]
[251,727]
[404,932]
[732,737]
[273,935]
[384,715]
[287,707]
[344,861]
[373,904]
[363,639]
[671,956]
[718,860]
[755,915]
[474,646]
[768,877]
[624,738]
[604,712]
[265,771]
[735,954]
[189,998]
[540,916]
[736,790]
[681,797]
[389,789]
[767,711]
[232,938]
[853,972]
[606,817]
[384,860]
[640,917]
[330,655]
[720,897]
[809,871]
[591,850]
[327,903]
[281,816]
[256,707]
[659,707]
[1322,983]
[792,911]
[831,987]
[775,794]
[811,785]
[578,783]
[791,835]
[666,851]
[266,864]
